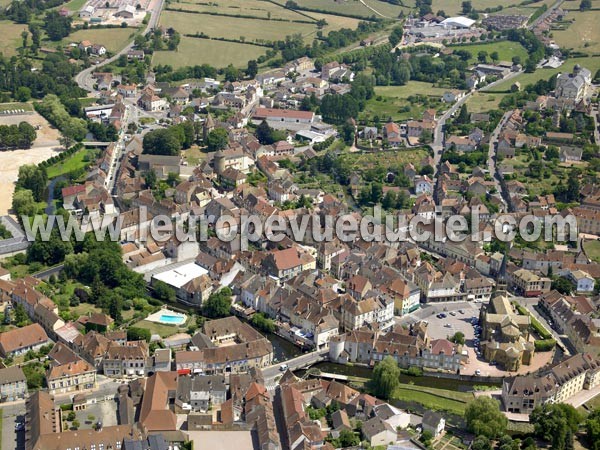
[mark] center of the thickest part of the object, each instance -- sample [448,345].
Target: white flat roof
[459,20]
[179,276]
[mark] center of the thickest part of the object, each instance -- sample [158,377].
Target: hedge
[544,345]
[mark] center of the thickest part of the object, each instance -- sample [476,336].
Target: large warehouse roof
[459,21]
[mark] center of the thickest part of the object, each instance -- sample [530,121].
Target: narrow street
[493,157]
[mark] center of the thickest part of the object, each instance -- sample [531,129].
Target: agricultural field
[353,7]
[483,102]
[233,27]
[582,32]
[391,101]
[506,50]
[257,8]
[11,40]
[114,39]
[215,53]
[454,7]
[593,64]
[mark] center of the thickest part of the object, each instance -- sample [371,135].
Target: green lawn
[158,328]
[434,399]
[7,106]
[592,249]
[482,102]
[75,5]
[583,34]
[506,50]
[399,158]
[79,160]
[114,39]
[216,53]
[391,101]
[593,64]
[353,7]
[10,38]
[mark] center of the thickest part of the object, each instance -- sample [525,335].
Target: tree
[217,139]
[163,291]
[231,73]
[150,179]
[463,115]
[396,35]
[23,94]
[484,418]
[34,178]
[426,170]
[23,203]
[263,323]
[164,141]
[481,443]
[57,26]
[495,57]
[138,334]
[467,7]
[563,285]
[347,438]
[20,315]
[556,423]
[482,56]
[585,5]
[218,304]
[386,377]
[592,427]
[252,68]
[458,338]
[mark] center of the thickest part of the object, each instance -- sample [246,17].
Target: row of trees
[17,136]
[73,129]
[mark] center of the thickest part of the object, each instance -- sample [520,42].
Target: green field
[398,158]
[251,30]
[352,7]
[114,39]
[592,249]
[388,101]
[74,5]
[257,8]
[77,161]
[593,64]
[204,51]
[454,7]
[482,102]
[506,50]
[11,37]
[434,399]
[583,34]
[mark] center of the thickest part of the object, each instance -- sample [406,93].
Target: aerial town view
[299,224]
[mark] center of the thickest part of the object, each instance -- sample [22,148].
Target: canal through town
[284,350]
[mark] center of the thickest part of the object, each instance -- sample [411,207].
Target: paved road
[84,78]
[307,359]
[530,304]
[438,133]
[492,157]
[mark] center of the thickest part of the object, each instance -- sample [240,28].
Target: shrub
[544,345]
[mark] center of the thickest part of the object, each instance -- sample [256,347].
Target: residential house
[13,384]
[72,376]
[433,422]
[20,340]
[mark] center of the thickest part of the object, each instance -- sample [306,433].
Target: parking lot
[444,320]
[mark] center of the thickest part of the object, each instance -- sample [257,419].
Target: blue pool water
[170,319]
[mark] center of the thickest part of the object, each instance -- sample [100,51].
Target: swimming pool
[171,319]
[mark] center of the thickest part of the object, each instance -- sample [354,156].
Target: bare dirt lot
[45,146]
